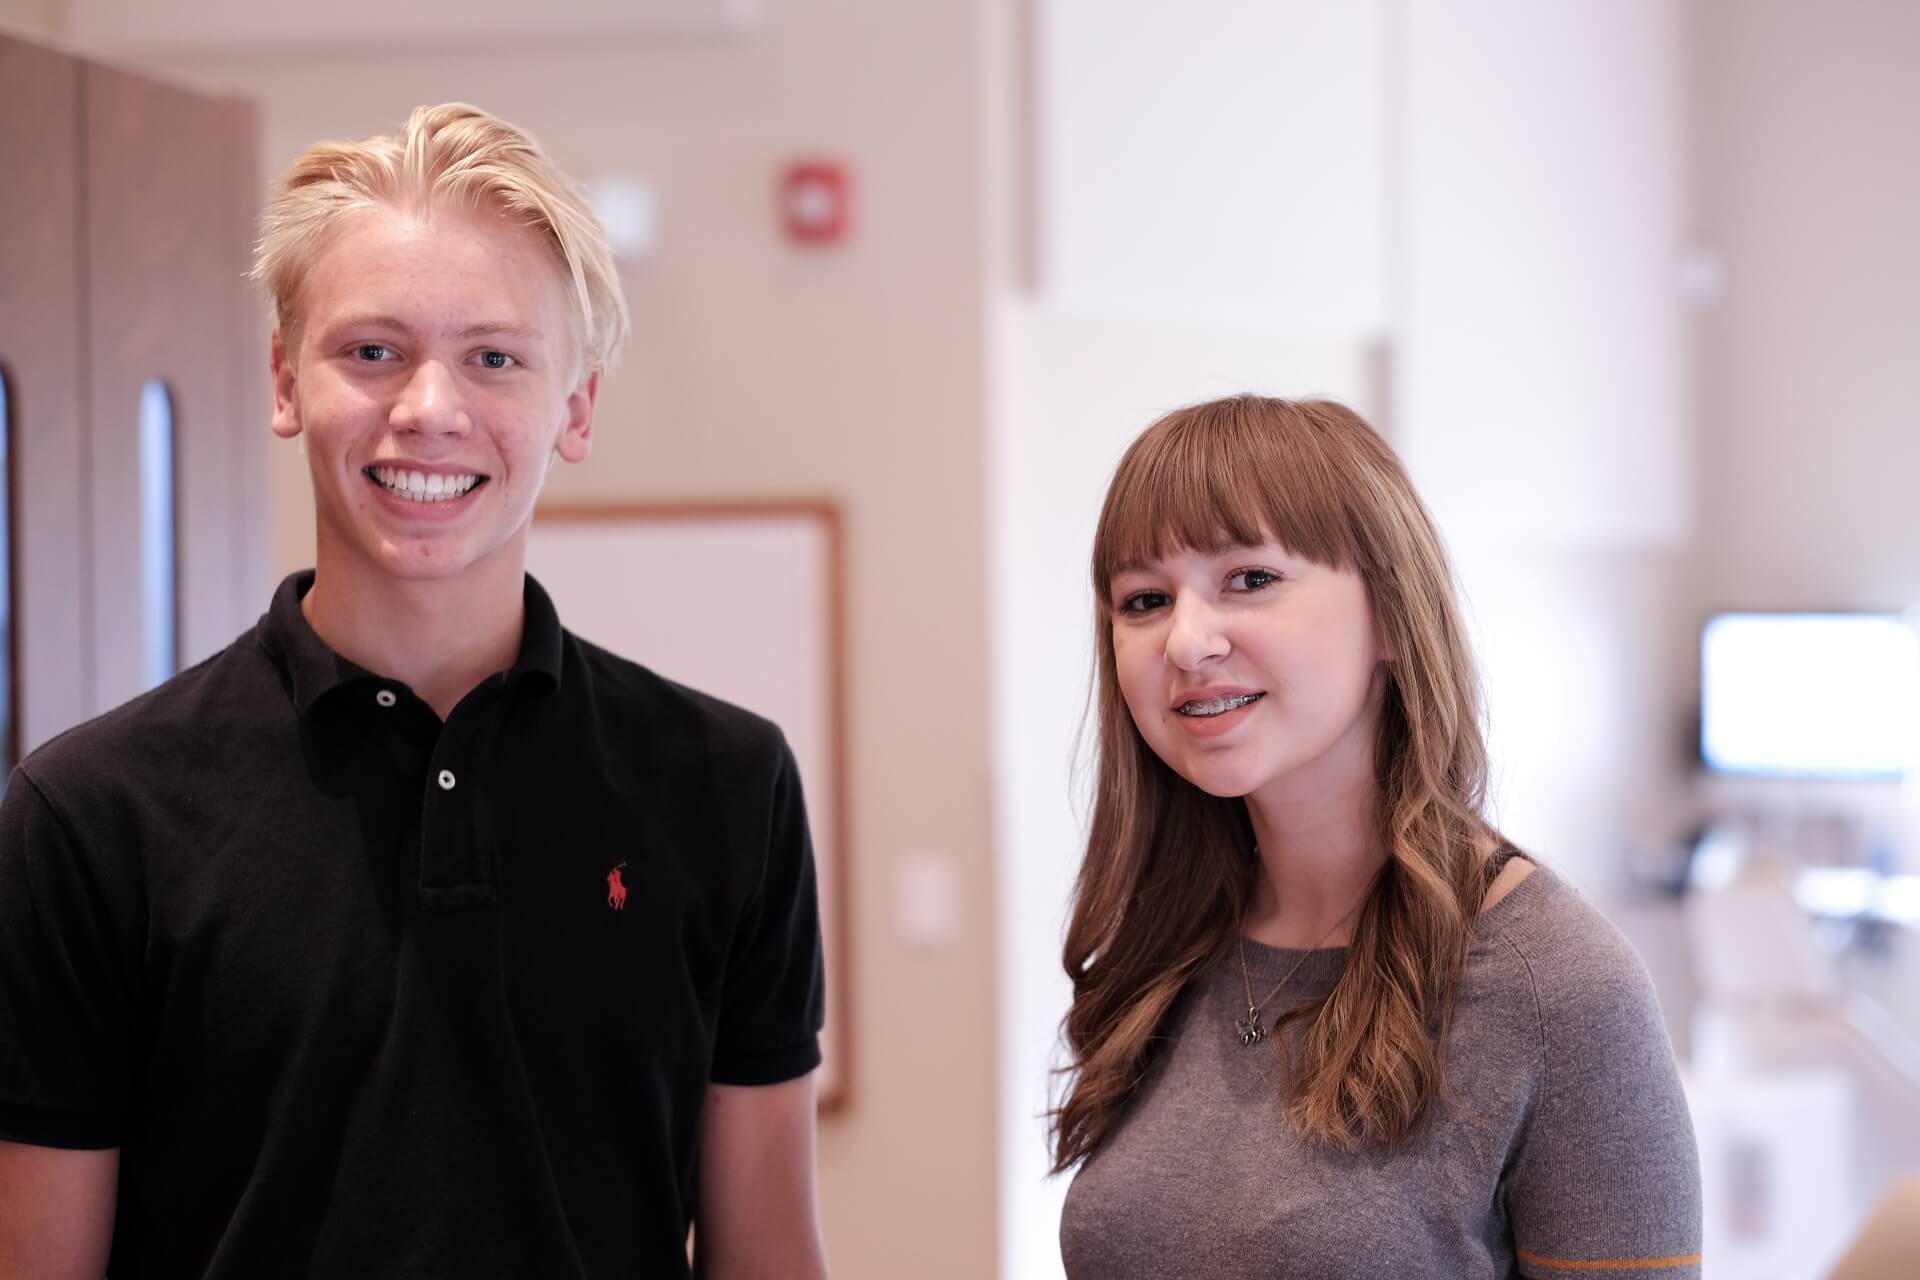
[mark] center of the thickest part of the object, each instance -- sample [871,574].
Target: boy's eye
[372,351]
[495,359]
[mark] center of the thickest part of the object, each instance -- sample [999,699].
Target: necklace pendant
[1251,1032]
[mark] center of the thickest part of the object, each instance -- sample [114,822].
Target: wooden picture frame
[755,613]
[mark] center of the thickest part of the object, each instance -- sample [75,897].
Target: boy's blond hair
[455,155]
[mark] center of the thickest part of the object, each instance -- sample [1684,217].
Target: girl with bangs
[1327,1023]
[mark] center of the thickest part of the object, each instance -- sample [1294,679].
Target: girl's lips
[1214,726]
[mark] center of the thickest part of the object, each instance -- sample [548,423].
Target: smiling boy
[413,935]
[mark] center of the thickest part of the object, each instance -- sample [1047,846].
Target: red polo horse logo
[616,890]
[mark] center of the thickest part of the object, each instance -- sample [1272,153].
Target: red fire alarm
[815,196]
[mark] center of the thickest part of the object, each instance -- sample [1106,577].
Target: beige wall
[1806,187]
[38,19]
[757,369]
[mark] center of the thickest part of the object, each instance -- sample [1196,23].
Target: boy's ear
[576,437]
[286,407]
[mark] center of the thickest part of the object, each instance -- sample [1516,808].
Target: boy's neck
[440,638]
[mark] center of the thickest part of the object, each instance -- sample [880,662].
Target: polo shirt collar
[540,646]
[313,670]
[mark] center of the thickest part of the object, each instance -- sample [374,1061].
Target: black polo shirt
[359,993]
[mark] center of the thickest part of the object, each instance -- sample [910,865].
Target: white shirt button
[385,698]
[446,779]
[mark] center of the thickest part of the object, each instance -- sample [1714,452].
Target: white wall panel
[1541,371]
[1217,162]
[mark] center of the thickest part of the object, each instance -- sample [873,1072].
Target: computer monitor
[1810,695]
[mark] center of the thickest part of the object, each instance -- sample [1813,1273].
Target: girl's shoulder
[1545,943]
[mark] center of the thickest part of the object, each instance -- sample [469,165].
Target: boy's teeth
[418,486]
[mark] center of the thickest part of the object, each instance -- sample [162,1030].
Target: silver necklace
[1251,1029]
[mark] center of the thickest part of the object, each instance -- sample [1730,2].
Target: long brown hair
[1169,870]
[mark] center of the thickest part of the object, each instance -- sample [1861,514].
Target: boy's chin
[427,562]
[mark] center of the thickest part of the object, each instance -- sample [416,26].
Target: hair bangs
[1226,474]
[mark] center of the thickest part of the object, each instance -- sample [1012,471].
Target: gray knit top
[1566,1150]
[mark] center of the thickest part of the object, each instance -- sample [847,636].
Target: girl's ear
[1382,641]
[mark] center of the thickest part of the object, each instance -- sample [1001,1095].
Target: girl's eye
[372,351]
[1252,579]
[1143,602]
[495,359]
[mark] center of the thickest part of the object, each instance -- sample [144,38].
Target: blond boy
[412,934]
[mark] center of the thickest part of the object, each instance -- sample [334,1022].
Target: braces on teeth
[1217,706]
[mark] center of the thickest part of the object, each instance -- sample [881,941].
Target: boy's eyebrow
[368,320]
[486,329]
[500,330]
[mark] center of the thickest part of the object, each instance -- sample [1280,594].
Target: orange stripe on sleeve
[1606,1264]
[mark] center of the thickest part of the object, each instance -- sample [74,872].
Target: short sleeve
[772,1000]
[66,995]
[1607,1177]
